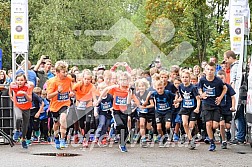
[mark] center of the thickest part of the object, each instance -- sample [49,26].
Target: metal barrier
[6,115]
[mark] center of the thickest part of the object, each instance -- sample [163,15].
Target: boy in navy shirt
[211,90]
[163,102]
[227,107]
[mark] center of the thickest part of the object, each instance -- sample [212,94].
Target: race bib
[143,111]
[189,103]
[121,101]
[21,99]
[106,106]
[63,96]
[82,105]
[163,106]
[209,91]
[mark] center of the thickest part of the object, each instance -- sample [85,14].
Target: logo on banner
[237,39]
[19,28]
[238,21]
[19,19]
[238,31]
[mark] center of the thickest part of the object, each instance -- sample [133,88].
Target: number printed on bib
[63,96]
[188,103]
[21,99]
[143,111]
[82,105]
[163,106]
[106,106]
[121,101]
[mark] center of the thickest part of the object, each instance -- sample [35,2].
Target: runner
[227,107]
[163,102]
[20,93]
[37,108]
[85,93]
[120,93]
[212,91]
[176,118]
[103,109]
[146,113]
[59,91]
[190,106]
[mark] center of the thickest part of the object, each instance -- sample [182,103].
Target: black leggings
[121,121]
[86,118]
[33,125]
[44,128]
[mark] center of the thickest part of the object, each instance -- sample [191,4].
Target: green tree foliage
[5,33]
[56,28]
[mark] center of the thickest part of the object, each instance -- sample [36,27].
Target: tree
[5,43]
[54,27]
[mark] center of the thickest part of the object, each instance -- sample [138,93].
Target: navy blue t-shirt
[212,88]
[36,102]
[164,102]
[188,95]
[106,104]
[226,102]
[170,86]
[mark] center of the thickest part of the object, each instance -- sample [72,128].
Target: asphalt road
[174,155]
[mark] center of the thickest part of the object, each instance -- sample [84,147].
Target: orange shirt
[20,100]
[119,98]
[84,93]
[62,99]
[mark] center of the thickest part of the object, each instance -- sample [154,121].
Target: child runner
[85,93]
[163,101]
[190,106]
[103,109]
[43,117]
[37,108]
[211,90]
[227,107]
[146,113]
[120,93]
[59,91]
[22,99]
[176,118]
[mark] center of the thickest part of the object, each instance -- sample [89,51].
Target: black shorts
[211,115]
[226,117]
[163,117]
[149,117]
[56,115]
[189,112]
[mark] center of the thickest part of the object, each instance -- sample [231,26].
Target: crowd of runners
[161,105]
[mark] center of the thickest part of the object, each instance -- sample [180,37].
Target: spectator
[117,64]
[9,77]
[31,74]
[203,65]
[230,58]
[196,70]
[2,81]
[214,60]
[42,70]
[226,67]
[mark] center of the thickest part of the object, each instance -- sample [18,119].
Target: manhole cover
[58,154]
[244,152]
[241,152]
